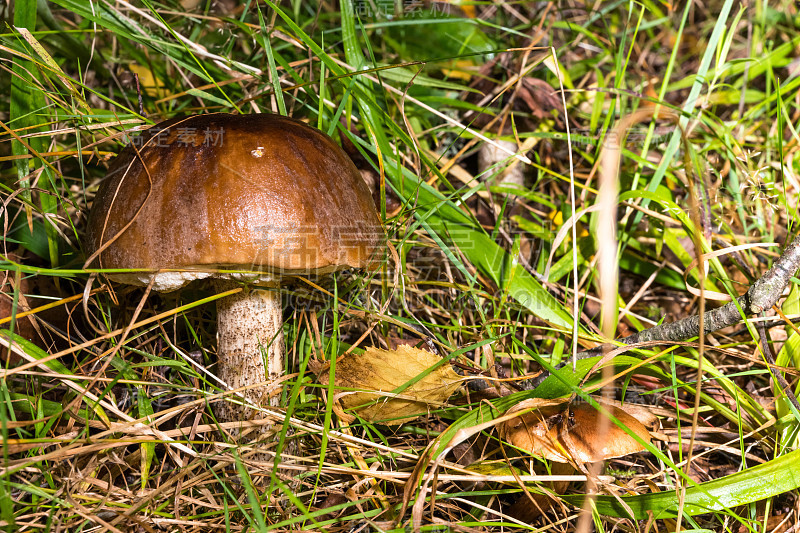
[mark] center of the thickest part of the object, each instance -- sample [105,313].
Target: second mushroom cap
[573,433]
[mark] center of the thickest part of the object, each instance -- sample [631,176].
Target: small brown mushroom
[572,434]
[237,198]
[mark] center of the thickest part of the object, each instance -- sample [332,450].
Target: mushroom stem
[490,155]
[532,505]
[249,346]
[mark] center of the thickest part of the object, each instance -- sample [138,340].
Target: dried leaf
[383,371]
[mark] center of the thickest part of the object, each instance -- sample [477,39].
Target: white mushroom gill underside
[172,280]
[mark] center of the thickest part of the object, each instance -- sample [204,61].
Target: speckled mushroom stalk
[250,348]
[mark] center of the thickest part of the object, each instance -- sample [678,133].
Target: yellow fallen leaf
[462,69]
[374,374]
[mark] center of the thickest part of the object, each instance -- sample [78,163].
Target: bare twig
[761,295]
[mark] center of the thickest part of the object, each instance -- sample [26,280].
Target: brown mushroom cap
[576,432]
[246,192]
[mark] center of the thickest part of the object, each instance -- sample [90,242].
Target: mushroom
[572,434]
[239,199]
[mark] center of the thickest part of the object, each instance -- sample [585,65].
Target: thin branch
[761,295]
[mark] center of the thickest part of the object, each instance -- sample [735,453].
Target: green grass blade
[6,416]
[273,71]
[258,520]
[754,484]
[446,219]
[26,99]
[691,100]
[148,449]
